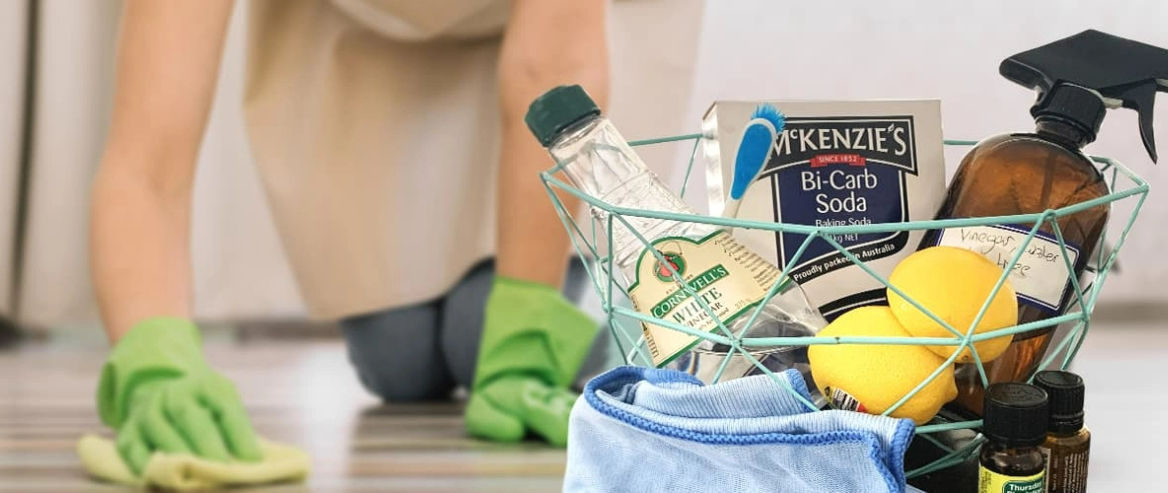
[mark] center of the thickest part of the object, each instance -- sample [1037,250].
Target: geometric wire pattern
[594,246]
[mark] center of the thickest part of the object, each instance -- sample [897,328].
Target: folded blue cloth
[644,429]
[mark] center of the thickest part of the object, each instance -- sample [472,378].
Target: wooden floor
[297,392]
[305,393]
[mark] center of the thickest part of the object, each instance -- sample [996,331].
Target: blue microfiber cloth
[644,429]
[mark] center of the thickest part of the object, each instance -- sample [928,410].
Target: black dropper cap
[1066,393]
[1015,414]
[557,110]
[1078,76]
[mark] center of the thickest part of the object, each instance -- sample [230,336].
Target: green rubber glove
[534,342]
[159,394]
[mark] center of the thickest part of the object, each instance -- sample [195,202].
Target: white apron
[375,128]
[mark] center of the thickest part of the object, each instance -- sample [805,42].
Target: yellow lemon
[872,377]
[953,283]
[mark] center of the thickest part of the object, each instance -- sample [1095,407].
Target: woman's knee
[396,354]
[396,384]
[462,321]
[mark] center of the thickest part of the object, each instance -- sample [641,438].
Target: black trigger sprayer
[1078,78]
[1076,75]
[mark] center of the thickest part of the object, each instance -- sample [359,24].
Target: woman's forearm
[547,44]
[139,249]
[168,59]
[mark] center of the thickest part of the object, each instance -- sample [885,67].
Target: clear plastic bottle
[729,278]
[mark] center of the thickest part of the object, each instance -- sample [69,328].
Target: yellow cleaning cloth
[182,472]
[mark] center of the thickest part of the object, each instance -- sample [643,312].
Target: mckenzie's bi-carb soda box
[834,163]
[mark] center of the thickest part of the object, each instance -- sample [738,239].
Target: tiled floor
[304,393]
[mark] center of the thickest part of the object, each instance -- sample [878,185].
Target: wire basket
[593,243]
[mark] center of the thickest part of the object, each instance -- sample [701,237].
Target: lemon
[872,377]
[953,283]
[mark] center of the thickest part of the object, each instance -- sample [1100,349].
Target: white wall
[766,49]
[74,78]
[13,34]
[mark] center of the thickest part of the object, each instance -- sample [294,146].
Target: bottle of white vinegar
[725,276]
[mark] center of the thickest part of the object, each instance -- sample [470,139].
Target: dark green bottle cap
[555,111]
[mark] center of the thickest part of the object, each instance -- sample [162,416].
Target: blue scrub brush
[761,133]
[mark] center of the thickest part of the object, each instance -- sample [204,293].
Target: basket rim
[1077,311]
[1140,187]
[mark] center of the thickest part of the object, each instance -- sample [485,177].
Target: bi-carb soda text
[837,163]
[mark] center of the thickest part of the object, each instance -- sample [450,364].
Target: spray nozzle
[1111,70]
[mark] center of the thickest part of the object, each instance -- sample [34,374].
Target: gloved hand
[159,394]
[534,342]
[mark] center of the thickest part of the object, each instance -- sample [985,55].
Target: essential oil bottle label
[729,278]
[1040,277]
[1066,472]
[992,482]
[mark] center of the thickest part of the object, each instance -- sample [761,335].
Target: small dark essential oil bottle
[1015,427]
[1067,441]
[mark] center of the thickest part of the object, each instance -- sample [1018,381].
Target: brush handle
[731,209]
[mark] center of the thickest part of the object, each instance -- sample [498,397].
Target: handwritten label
[1040,277]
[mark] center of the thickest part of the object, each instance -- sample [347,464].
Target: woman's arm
[547,44]
[168,59]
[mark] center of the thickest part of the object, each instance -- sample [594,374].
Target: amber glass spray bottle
[1078,78]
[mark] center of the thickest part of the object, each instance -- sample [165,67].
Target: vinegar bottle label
[722,274]
[1042,275]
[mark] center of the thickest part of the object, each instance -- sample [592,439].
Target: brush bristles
[770,114]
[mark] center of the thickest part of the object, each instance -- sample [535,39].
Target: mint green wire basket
[593,243]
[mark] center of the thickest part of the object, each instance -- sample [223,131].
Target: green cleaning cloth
[185,472]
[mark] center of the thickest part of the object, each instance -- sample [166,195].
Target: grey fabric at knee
[421,352]
[396,353]
[461,327]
